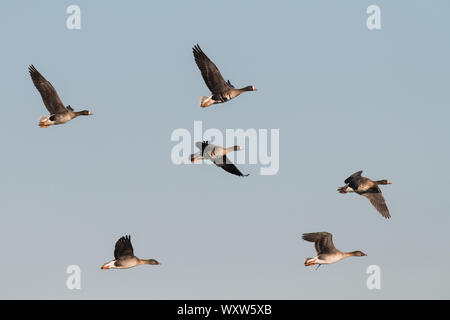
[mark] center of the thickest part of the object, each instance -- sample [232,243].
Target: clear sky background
[344,99]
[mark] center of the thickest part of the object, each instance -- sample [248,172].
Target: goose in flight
[326,251]
[124,256]
[217,155]
[221,90]
[369,189]
[59,114]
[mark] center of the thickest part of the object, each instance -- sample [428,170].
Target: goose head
[249,88]
[384,181]
[358,254]
[149,261]
[84,113]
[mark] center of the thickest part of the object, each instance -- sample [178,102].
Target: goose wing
[323,241]
[354,180]
[377,200]
[123,248]
[49,95]
[226,164]
[210,73]
[199,144]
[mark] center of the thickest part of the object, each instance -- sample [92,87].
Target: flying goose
[326,251]
[221,90]
[124,256]
[217,155]
[59,114]
[369,189]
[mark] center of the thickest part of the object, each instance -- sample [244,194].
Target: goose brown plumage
[369,189]
[221,90]
[218,155]
[59,114]
[124,256]
[326,251]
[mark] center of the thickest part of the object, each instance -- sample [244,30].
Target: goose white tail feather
[206,101]
[44,121]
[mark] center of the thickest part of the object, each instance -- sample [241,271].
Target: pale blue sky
[344,99]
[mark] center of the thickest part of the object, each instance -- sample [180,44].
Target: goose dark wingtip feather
[196,48]
[198,53]
[353,176]
[34,73]
[314,236]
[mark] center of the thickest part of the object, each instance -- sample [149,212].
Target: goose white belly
[328,259]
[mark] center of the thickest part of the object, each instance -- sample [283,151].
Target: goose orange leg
[310,263]
[207,103]
[44,124]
